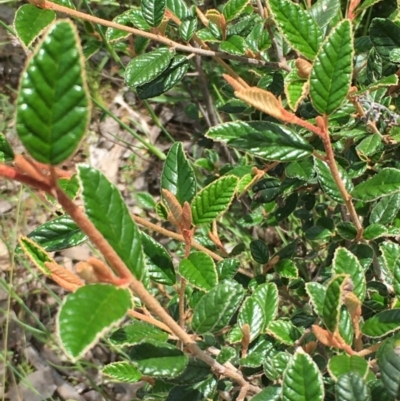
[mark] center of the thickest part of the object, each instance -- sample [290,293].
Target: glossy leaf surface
[302,380]
[199,270]
[89,312]
[331,73]
[385,182]
[215,309]
[297,26]
[148,66]
[107,210]
[178,176]
[53,104]
[158,359]
[59,233]
[266,140]
[213,200]
[30,21]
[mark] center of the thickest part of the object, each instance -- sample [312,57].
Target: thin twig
[208,101]
[179,237]
[260,8]
[156,37]
[149,319]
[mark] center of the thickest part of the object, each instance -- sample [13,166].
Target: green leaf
[233,8]
[259,251]
[352,387]
[382,323]
[146,67]
[178,175]
[389,364]
[263,139]
[87,313]
[135,332]
[302,380]
[252,313]
[37,255]
[267,296]
[195,371]
[369,145]
[108,212]
[179,8]
[53,103]
[6,152]
[385,182]
[391,267]
[199,270]
[167,80]
[303,169]
[316,292]
[385,36]
[382,83]
[275,365]
[187,28]
[113,34]
[57,234]
[70,186]
[65,3]
[270,393]
[197,392]
[374,231]
[346,230]
[330,76]
[158,359]
[226,355]
[213,200]
[297,26]
[324,11]
[284,331]
[30,21]
[346,329]
[153,11]
[345,262]
[235,45]
[327,182]
[385,210]
[339,365]
[122,371]
[157,260]
[214,310]
[296,91]
[227,268]
[333,301]
[287,269]
[137,19]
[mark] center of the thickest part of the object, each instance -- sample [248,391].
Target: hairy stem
[138,288]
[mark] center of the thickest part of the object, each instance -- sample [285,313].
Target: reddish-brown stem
[179,237]
[11,173]
[330,160]
[138,288]
[149,319]
[182,303]
[152,36]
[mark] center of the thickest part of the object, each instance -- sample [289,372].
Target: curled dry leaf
[64,277]
[303,68]
[264,101]
[330,339]
[174,207]
[233,82]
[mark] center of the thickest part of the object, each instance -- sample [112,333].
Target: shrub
[307,109]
